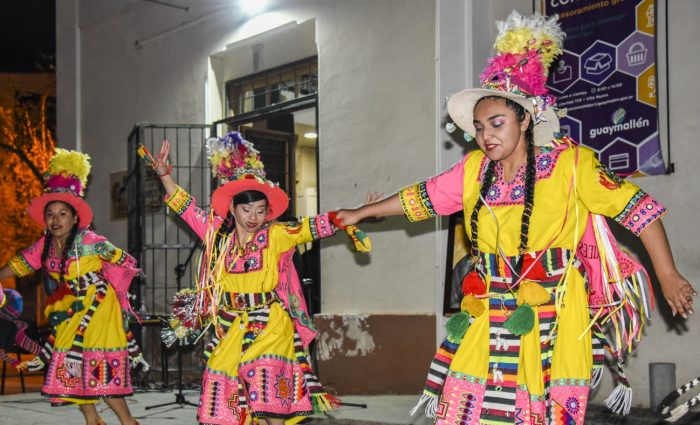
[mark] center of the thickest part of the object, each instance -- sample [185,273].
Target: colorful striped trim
[640,212]
[239,301]
[20,266]
[179,200]
[416,203]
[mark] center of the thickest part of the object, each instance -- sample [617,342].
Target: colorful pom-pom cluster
[525,49]
[234,158]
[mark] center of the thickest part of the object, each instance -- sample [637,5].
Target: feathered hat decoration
[524,50]
[236,165]
[68,172]
[66,180]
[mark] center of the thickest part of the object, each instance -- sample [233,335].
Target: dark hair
[248,196]
[69,242]
[245,197]
[530,177]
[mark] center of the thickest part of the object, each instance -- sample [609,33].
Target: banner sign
[606,80]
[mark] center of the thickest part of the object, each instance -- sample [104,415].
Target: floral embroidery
[502,192]
[252,257]
[608,178]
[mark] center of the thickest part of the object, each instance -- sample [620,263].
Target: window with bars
[272,87]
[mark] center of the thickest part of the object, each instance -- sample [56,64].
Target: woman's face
[60,219]
[498,131]
[251,216]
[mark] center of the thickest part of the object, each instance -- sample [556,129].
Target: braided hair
[489,178]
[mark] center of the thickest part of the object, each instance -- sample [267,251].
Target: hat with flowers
[525,48]
[236,165]
[66,179]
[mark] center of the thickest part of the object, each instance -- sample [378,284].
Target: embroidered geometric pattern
[321,226]
[20,266]
[179,200]
[640,211]
[416,203]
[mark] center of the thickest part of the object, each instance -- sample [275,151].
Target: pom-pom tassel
[620,400]
[473,284]
[532,293]
[472,305]
[521,321]
[456,327]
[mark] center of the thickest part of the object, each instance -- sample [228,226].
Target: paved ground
[32,409]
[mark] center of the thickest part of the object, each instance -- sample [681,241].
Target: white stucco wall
[376,112]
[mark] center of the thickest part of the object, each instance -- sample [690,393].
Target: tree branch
[24,159]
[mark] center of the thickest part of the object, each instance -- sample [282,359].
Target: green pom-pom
[521,321]
[77,306]
[457,326]
[57,318]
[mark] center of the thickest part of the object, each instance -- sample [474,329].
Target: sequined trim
[20,266]
[640,212]
[321,226]
[416,203]
[179,200]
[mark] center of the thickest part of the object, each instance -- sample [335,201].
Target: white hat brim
[460,106]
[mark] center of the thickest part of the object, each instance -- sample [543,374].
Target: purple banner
[606,80]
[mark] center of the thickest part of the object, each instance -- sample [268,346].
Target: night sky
[27,35]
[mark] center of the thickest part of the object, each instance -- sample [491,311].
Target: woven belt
[240,301]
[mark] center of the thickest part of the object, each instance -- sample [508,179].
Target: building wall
[384,68]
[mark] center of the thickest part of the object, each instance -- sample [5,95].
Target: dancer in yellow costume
[524,349]
[257,364]
[87,279]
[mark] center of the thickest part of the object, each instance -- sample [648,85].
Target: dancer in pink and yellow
[257,364]
[548,278]
[90,350]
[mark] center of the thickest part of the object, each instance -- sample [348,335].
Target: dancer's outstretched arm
[384,208]
[677,291]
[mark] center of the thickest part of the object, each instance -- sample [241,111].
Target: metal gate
[165,247]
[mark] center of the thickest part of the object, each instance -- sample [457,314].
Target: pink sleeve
[33,253]
[28,260]
[445,190]
[184,205]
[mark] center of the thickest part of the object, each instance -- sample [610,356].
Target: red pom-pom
[473,284]
[537,271]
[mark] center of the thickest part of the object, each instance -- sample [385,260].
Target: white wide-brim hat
[460,106]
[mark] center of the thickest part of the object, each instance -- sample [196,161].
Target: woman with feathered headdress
[548,281]
[90,349]
[257,364]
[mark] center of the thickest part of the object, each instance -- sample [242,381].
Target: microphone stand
[179,397]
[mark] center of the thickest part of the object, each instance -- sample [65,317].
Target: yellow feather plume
[70,163]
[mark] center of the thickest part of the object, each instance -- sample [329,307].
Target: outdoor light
[253,7]
[311,135]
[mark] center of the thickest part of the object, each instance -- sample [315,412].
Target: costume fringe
[620,400]
[596,377]
[431,403]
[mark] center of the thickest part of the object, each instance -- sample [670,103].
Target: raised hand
[161,163]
